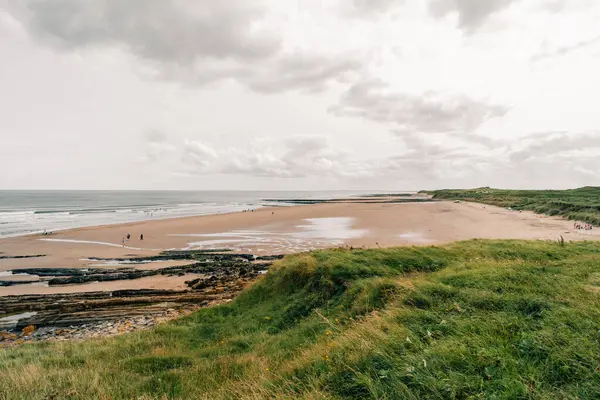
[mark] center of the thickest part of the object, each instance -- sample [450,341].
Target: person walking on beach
[142,236]
[123,242]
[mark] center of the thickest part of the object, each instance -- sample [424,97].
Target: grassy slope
[477,319]
[581,204]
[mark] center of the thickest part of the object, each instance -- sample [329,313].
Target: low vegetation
[581,204]
[471,320]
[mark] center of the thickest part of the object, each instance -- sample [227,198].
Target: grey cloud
[557,6]
[197,153]
[543,160]
[299,147]
[471,13]
[303,71]
[547,173]
[165,30]
[314,156]
[565,50]
[156,145]
[433,161]
[286,72]
[293,158]
[554,6]
[260,165]
[191,42]
[421,147]
[427,113]
[557,144]
[532,159]
[155,136]
[369,7]
[540,159]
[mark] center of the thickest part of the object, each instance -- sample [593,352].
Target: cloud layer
[312,94]
[196,43]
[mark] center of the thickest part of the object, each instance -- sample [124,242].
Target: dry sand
[287,230]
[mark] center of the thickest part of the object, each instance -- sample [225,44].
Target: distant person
[128,236]
[142,236]
[123,242]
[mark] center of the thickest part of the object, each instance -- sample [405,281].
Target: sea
[24,212]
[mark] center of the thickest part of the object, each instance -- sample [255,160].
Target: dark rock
[270,258]
[27,256]
[13,283]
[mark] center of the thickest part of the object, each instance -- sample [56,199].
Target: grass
[581,204]
[471,320]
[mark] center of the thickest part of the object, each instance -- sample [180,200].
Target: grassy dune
[471,320]
[581,204]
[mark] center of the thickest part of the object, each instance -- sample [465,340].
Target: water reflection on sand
[311,234]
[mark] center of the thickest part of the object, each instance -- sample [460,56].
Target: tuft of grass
[471,320]
[582,204]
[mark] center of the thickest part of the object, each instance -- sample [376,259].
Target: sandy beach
[278,230]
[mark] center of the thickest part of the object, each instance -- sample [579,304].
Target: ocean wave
[88,210]
[25,214]
[13,213]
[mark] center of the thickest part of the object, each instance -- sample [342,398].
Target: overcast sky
[305,94]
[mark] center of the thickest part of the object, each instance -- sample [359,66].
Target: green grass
[581,204]
[471,320]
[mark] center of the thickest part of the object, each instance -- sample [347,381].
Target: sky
[299,95]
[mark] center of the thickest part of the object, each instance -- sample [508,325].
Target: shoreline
[268,231]
[273,205]
[33,216]
[289,229]
[86,264]
[104,225]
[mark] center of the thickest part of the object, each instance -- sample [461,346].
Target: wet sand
[150,282]
[285,230]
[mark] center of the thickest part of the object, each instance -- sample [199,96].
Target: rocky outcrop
[80,315]
[27,256]
[13,283]
[207,262]
[32,333]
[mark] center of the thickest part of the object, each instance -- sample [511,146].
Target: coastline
[185,263]
[32,212]
[290,229]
